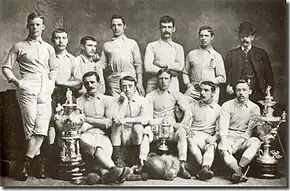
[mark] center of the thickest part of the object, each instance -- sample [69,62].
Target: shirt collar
[39,39]
[210,49]
[85,59]
[243,48]
[239,104]
[169,41]
[160,91]
[202,104]
[89,97]
[123,37]
[62,55]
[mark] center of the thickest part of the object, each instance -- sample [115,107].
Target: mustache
[241,96]
[245,41]
[166,33]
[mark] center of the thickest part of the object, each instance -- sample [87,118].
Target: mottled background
[91,17]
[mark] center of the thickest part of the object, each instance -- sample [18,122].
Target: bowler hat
[246,28]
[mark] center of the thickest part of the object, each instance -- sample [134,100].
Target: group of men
[124,116]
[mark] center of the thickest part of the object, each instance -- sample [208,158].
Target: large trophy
[69,120]
[267,128]
[164,131]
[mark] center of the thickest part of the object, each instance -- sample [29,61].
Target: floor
[178,182]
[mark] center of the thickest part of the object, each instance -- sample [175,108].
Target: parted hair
[118,17]
[91,73]
[209,83]
[162,70]
[59,30]
[85,38]
[243,81]
[34,15]
[166,19]
[208,28]
[129,78]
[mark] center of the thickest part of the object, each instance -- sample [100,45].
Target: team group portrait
[139,93]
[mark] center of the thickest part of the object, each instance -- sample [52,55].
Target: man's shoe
[183,173]
[112,176]
[21,171]
[238,177]
[124,175]
[40,173]
[205,173]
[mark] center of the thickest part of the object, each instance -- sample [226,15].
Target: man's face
[60,41]
[128,87]
[243,92]
[35,27]
[166,30]
[205,38]
[206,94]
[246,39]
[118,27]
[89,49]
[164,81]
[91,84]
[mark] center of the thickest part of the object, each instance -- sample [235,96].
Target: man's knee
[181,134]
[138,129]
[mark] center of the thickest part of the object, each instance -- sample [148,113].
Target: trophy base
[266,171]
[70,171]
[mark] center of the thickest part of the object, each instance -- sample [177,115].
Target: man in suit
[250,62]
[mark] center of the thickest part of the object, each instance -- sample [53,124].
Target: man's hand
[188,130]
[119,121]
[140,89]
[123,97]
[210,140]
[230,89]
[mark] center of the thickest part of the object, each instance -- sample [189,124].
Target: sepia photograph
[144,93]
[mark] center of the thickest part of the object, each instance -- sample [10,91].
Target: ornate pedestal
[69,120]
[267,160]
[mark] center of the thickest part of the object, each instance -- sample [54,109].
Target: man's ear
[43,27]
[250,92]
[173,29]
[125,26]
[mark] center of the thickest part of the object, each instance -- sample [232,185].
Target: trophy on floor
[163,134]
[69,120]
[267,128]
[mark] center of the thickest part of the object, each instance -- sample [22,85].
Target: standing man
[38,72]
[236,127]
[203,64]
[65,79]
[164,53]
[129,121]
[248,61]
[121,57]
[94,141]
[201,121]
[161,104]
[85,62]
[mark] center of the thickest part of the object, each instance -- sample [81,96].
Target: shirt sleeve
[179,60]
[150,107]
[137,58]
[224,121]
[187,64]
[53,65]
[11,58]
[103,60]
[181,101]
[148,60]
[220,70]
[254,113]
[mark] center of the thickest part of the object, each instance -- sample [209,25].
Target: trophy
[69,120]
[267,128]
[163,134]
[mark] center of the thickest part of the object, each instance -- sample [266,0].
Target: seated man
[200,122]
[93,140]
[128,122]
[236,128]
[161,104]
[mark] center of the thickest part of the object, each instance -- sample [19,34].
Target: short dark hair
[118,17]
[166,19]
[91,73]
[59,30]
[209,83]
[208,28]
[129,78]
[34,15]
[86,38]
[243,81]
[164,70]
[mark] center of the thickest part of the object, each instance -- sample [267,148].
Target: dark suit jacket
[234,65]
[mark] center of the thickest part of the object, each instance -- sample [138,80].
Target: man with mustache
[201,124]
[94,140]
[121,57]
[161,106]
[38,70]
[236,129]
[130,114]
[164,53]
[86,62]
[248,61]
[203,63]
